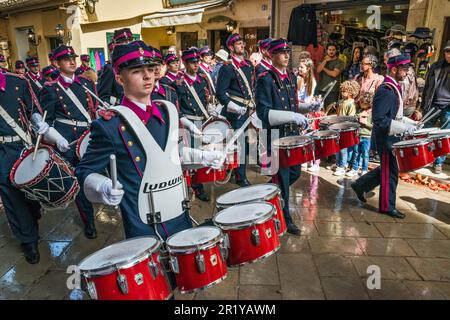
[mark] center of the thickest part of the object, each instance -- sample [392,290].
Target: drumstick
[329,90]
[446,122]
[113,169]
[39,137]
[104,104]
[430,117]
[426,115]
[73,142]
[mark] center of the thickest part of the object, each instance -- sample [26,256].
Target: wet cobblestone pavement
[340,239]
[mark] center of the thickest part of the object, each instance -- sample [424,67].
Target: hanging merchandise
[98,64]
[303,26]
[93,64]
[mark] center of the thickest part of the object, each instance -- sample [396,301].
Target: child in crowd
[361,151]
[346,107]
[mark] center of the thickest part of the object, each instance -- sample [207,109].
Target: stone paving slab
[386,247]
[344,288]
[392,268]
[409,230]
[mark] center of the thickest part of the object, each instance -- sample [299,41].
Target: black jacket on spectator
[303,26]
[433,76]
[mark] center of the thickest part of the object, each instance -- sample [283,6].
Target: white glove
[300,120]
[63,145]
[110,196]
[410,128]
[235,108]
[213,159]
[42,128]
[206,139]
[315,106]
[409,120]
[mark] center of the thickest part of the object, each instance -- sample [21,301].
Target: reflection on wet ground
[340,239]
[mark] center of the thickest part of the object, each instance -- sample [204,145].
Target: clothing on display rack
[303,26]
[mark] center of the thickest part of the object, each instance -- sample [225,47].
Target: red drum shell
[206,175]
[79,150]
[441,144]
[141,283]
[294,150]
[243,248]
[189,278]
[326,143]
[348,134]
[413,154]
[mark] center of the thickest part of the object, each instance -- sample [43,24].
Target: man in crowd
[85,64]
[34,75]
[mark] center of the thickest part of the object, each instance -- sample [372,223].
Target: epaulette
[202,75]
[106,114]
[264,73]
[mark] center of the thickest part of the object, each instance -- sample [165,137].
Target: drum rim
[412,143]
[335,135]
[209,285]
[309,141]
[249,223]
[424,131]
[351,126]
[80,140]
[439,136]
[270,196]
[194,248]
[123,264]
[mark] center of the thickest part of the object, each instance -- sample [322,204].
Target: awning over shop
[181,15]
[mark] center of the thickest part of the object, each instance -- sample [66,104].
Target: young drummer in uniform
[277,107]
[193,95]
[265,63]
[70,109]
[85,64]
[16,101]
[19,67]
[3,64]
[235,91]
[173,69]
[143,136]
[388,124]
[34,75]
[162,91]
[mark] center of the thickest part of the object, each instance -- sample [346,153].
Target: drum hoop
[216,120]
[413,143]
[333,135]
[194,248]
[246,224]
[440,136]
[293,146]
[48,166]
[80,140]
[350,127]
[123,264]
[267,197]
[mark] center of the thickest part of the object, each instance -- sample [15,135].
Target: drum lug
[200,263]
[432,146]
[122,283]
[282,203]
[91,290]
[153,268]
[174,264]
[439,143]
[256,238]
[224,247]
[288,152]
[277,225]
[416,151]
[402,154]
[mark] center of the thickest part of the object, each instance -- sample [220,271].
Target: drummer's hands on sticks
[410,128]
[111,196]
[300,120]
[63,145]
[213,159]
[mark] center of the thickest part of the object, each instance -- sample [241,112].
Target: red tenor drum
[326,143]
[422,133]
[127,270]
[293,150]
[441,140]
[261,192]
[207,174]
[413,154]
[197,257]
[218,129]
[251,231]
[82,144]
[326,122]
[47,179]
[348,134]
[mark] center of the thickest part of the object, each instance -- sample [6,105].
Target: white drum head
[29,169]
[257,192]
[425,131]
[325,134]
[217,130]
[121,253]
[410,143]
[245,214]
[84,144]
[292,141]
[193,237]
[440,132]
[345,126]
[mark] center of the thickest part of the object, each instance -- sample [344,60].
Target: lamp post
[32,38]
[170,30]
[90,5]
[61,33]
[231,25]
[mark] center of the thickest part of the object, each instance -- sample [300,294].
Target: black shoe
[395,214]
[359,193]
[89,230]
[376,159]
[31,252]
[293,229]
[243,183]
[203,196]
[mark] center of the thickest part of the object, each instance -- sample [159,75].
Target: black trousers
[385,176]
[286,177]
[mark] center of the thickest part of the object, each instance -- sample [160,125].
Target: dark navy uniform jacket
[34,86]
[81,69]
[262,67]
[187,103]
[60,106]
[385,108]
[229,81]
[165,92]
[110,135]
[272,93]
[107,85]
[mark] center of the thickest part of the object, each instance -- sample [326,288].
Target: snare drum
[47,179]
[326,122]
[261,192]
[293,150]
[422,133]
[217,129]
[127,270]
[251,230]
[197,257]
[82,144]
[441,140]
[413,154]
[348,134]
[326,143]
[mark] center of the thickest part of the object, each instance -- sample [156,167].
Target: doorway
[24,48]
[188,39]
[253,35]
[217,39]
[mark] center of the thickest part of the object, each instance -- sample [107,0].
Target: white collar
[281,72]
[193,78]
[141,105]
[174,74]
[237,58]
[68,80]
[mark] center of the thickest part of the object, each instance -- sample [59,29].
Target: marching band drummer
[265,63]
[85,65]
[388,123]
[173,69]
[34,75]
[277,107]
[70,109]
[16,101]
[193,93]
[162,91]
[143,136]
[235,91]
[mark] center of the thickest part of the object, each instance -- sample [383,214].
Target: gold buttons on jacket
[123,128]
[130,143]
[17,88]
[137,159]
